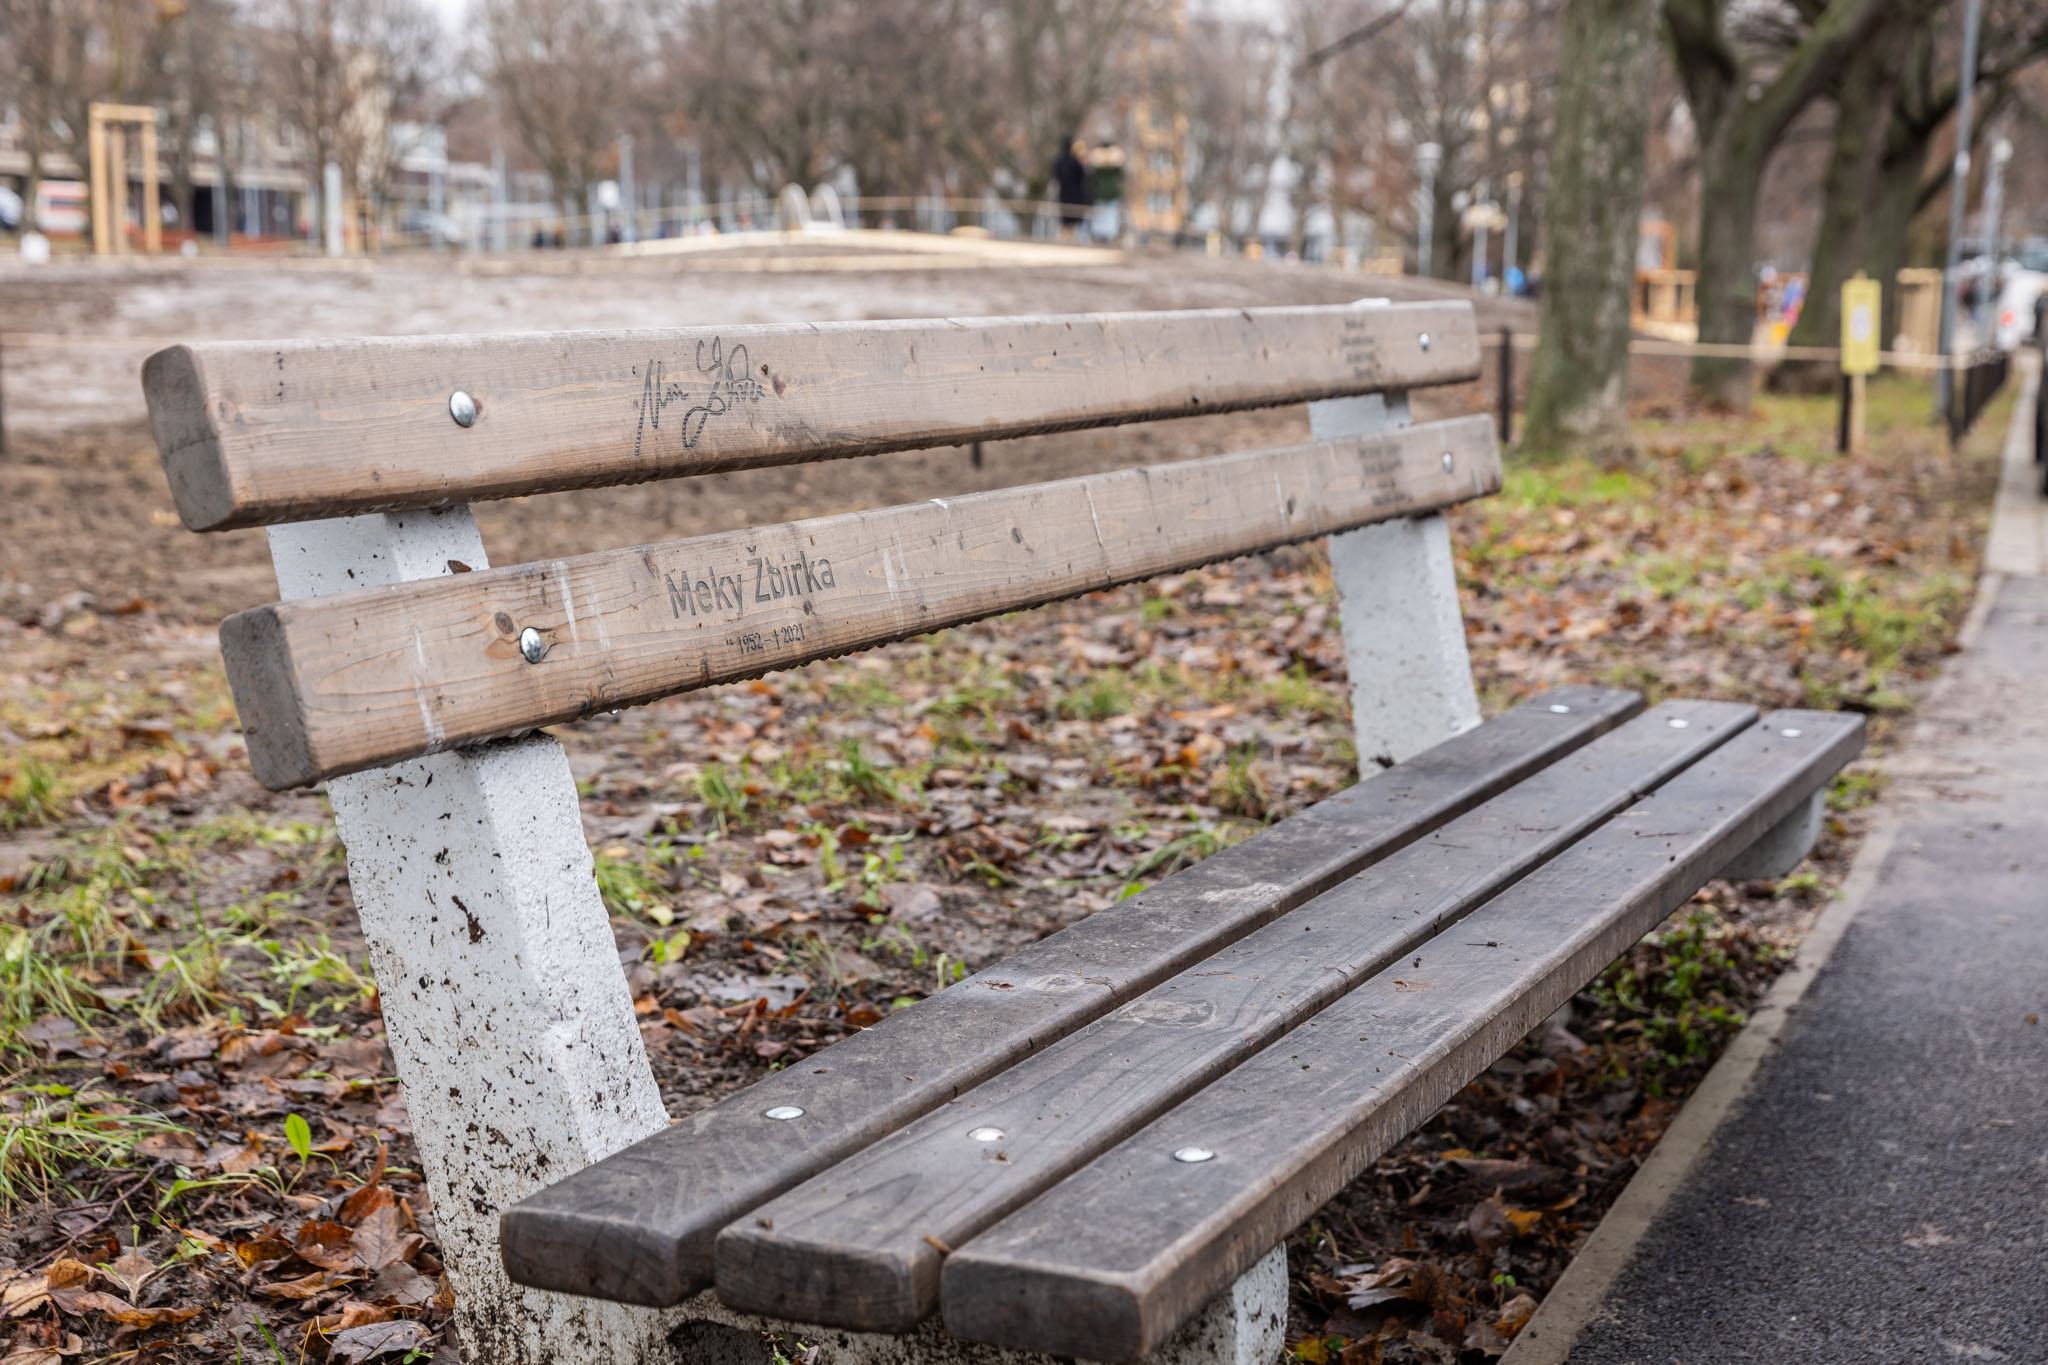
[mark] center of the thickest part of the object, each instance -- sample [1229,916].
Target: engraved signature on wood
[730,382]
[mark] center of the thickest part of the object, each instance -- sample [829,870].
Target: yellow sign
[1862,307]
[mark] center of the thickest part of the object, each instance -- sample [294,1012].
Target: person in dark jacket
[1070,176]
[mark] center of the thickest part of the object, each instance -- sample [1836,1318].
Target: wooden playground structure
[108,141]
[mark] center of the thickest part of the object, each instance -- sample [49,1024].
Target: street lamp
[1994,209]
[1959,176]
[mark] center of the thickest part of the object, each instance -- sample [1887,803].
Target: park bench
[1092,1149]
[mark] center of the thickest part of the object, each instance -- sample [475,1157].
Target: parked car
[2012,325]
[436,229]
[10,210]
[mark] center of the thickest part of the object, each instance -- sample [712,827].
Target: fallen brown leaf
[131,1271]
[377,1339]
[23,1292]
[263,1249]
[382,1240]
[323,1243]
[306,1286]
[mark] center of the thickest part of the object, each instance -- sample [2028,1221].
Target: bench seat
[1078,1171]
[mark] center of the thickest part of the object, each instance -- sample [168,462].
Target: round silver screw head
[1558,708]
[1678,722]
[782,1113]
[462,408]
[1193,1155]
[532,647]
[1448,462]
[1789,734]
[1424,339]
[986,1134]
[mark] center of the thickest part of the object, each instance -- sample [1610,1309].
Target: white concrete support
[1397,598]
[503,999]
[1784,845]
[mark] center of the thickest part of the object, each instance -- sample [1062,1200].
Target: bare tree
[564,74]
[1578,385]
[763,79]
[1745,82]
[42,54]
[396,67]
[1471,76]
[1328,107]
[307,73]
[1049,64]
[931,120]
[1889,105]
[208,81]
[1233,78]
[65,54]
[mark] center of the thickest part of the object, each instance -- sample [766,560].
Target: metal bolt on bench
[935,1185]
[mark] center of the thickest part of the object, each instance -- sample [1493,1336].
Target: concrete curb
[1579,1295]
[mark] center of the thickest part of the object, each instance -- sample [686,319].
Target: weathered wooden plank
[859,1245]
[639,1225]
[1290,1127]
[337,684]
[254,433]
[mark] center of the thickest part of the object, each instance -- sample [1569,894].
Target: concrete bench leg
[1244,1325]
[1397,591]
[1784,845]
[503,1000]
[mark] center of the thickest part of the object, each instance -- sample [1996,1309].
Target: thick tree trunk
[1741,116]
[1731,174]
[1864,98]
[1578,384]
[1895,197]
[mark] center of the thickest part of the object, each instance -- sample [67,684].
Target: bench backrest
[257,434]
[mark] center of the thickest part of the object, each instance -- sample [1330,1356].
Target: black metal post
[1507,385]
[2041,401]
[1842,416]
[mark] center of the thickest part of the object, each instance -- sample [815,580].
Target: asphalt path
[1882,1194]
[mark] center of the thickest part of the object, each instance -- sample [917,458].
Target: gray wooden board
[1109,1261]
[638,1226]
[336,684]
[261,432]
[859,1245]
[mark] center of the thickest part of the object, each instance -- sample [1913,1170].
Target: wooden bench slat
[1109,1262]
[858,1245]
[638,1226]
[256,433]
[332,685]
